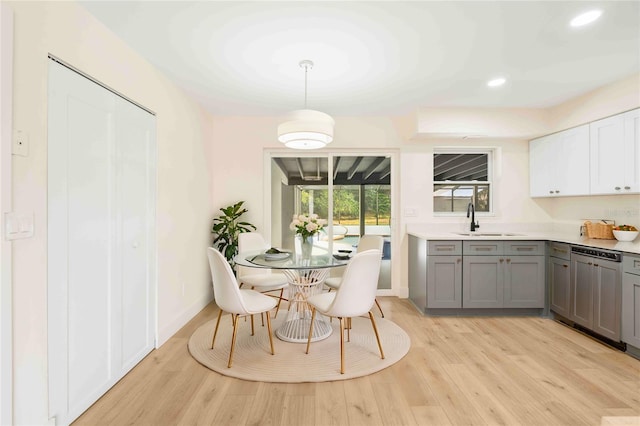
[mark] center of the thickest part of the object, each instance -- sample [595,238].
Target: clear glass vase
[306,246]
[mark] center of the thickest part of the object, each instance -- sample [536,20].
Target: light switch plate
[18,225]
[20,143]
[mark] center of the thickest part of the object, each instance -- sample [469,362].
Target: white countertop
[627,247]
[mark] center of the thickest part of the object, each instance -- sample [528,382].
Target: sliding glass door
[353,193]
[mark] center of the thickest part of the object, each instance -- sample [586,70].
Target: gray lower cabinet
[524,282]
[476,274]
[631,300]
[444,282]
[503,274]
[482,282]
[559,278]
[596,299]
[444,274]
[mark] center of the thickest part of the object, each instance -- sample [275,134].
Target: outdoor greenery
[227,227]
[346,204]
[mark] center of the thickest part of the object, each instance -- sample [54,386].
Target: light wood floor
[459,371]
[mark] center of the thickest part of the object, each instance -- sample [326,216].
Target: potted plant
[227,227]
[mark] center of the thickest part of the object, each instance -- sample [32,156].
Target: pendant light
[306,128]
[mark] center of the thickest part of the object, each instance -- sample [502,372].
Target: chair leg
[313,316]
[215,333]
[348,329]
[233,339]
[341,345]
[375,330]
[252,331]
[279,301]
[378,305]
[270,334]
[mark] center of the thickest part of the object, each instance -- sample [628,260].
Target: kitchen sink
[487,234]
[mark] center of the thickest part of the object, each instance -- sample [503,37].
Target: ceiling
[347,170]
[388,58]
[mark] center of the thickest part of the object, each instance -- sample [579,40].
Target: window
[460,178]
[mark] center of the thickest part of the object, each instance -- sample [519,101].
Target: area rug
[252,359]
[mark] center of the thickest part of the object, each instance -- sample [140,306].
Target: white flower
[307,225]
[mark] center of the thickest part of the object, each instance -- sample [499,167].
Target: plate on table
[276,256]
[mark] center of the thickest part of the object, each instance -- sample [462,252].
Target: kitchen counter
[627,247]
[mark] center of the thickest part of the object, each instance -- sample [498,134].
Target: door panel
[581,290]
[88,178]
[560,286]
[607,299]
[136,136]
[482,282]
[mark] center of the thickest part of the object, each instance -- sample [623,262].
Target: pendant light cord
[306,70]
[306,64]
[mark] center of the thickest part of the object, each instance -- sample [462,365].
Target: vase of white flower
[306,228]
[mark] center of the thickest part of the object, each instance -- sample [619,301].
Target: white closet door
[136,240]
[100,242]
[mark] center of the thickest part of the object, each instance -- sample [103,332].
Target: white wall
[514,123]
[184,199]
[620,96]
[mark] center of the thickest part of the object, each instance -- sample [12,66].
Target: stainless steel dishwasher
[596,292]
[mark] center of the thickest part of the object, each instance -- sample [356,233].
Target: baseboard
[172,328]
[401,293]
[385,292]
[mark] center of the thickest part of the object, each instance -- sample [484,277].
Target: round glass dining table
[306,277]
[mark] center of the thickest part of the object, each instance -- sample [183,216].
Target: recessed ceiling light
[585,18]
[496,82]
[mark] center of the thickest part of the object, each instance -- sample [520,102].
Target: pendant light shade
[306,128]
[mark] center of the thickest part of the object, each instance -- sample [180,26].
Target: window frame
[491,158]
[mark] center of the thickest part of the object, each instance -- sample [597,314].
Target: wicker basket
[602,231]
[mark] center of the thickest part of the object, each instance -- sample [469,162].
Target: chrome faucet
[472,210]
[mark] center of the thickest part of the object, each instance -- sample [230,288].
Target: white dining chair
[232,299]
[355,297]
[262,280]
[367,242]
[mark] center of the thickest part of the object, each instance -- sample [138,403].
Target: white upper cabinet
[542,166]
[559,164]
[615,154]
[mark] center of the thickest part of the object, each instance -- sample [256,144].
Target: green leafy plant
[227,227]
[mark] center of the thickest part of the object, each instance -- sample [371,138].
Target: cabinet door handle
[551,192]
[508,260]
[617,188]
[560,251]
[595,264]
[627,187]
[525,248]
[557,192]
[483,248]
[565,266]
[589,263]
[458,260]
[501,260]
